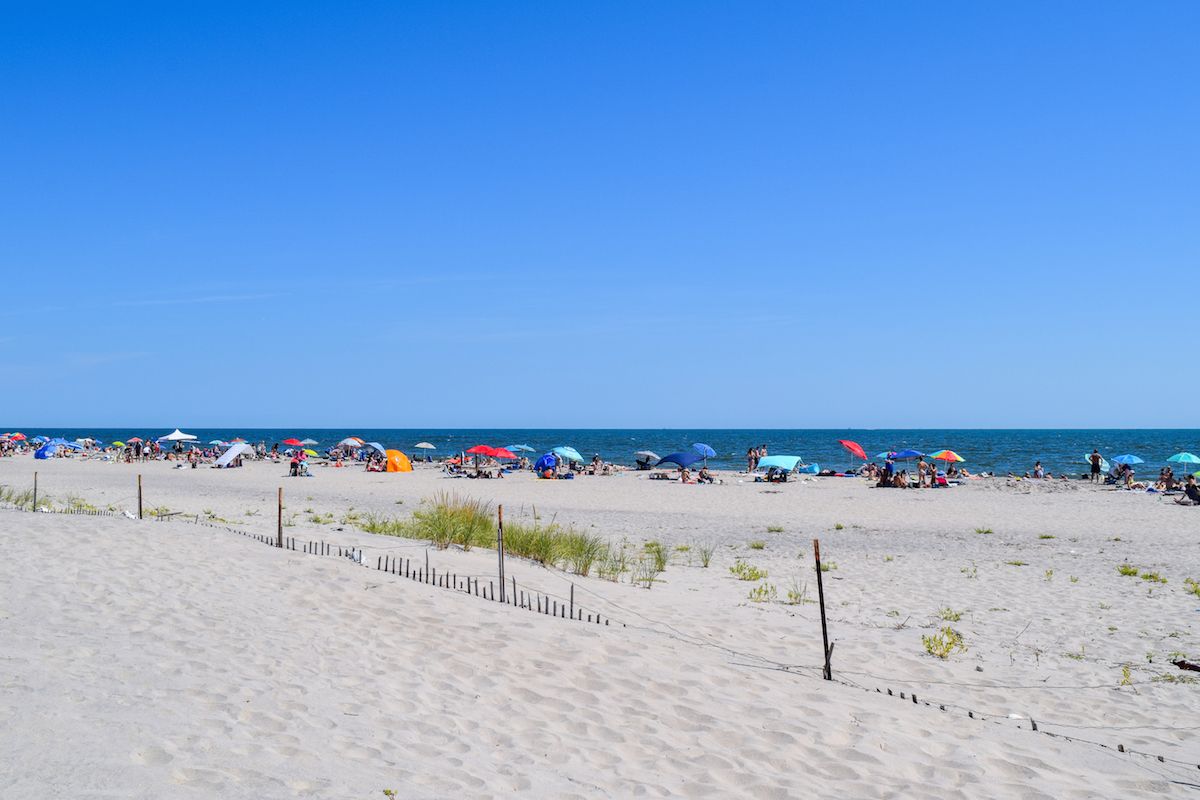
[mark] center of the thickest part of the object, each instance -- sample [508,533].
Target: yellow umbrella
[310,452]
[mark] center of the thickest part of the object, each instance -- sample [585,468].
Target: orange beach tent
[398,462]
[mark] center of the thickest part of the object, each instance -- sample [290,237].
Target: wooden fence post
[35,492]
[139,496]
[279,520]
[572,614]
[500,545]
[828,671]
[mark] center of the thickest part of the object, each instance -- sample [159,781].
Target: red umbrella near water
[482,450]
[292,442]
[854,448]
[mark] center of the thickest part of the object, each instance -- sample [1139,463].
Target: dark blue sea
[983,450]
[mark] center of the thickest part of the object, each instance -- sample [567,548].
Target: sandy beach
[151,658]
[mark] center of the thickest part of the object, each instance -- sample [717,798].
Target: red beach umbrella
[18,437]
[854,448]
[292,442]
[501,452]
[133,439]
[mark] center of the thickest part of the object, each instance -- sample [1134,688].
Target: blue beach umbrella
[569,453]
[684,459]
[1128,459]
[786,463]
[907,455]
[1184,458]
[519,448]
[704,450]
[545,462]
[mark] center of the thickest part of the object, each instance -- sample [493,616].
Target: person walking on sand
[922,469]
[751,460]
[1096,459]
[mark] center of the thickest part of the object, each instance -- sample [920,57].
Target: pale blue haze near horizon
[541,215]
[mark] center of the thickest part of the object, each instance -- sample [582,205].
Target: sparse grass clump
[827,566]
[984,530]
[949,614]
[1128,570]
[757,544]
[944,643]
[1153,577]
[321,519]
[579,551]
[449,519]
[762,594]
[797,594]
[839,526]
[658,552]
[21,498]
[774,529]
[705,550]
[1017,563]
[1046,536]
[744,571]
[1190,586]
[1049,575]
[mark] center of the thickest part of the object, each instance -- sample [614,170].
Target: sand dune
[148,659]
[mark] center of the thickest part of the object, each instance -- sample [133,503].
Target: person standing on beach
[922,470]
[1096,459]
[751,460]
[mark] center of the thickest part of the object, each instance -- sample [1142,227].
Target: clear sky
[600,215]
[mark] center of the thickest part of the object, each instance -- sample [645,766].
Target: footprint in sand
[150,755]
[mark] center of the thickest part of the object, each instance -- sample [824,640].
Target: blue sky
[622,214]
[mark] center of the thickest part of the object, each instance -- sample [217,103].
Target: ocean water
[990,450]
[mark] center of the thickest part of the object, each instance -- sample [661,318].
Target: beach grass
[448,520]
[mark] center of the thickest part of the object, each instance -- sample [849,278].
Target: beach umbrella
[237,440]
[217,442]
[853,448]
[647,455]
[1184,458]
[502,452]
[885,454]
[428,446]
[520,448]
[907,455]
[351,441]
[949,456]
[1128,458]
[704,450]
[310,452]
[308,441]
[177,436]
[570,453]
[41,439]
[118,444]
[544,463]
[292,442]
[18,437]
[786,463]
[481,450]
[684,459]
[135,439]
[377,446]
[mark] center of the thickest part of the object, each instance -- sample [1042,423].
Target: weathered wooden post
[500,545]
[34,508]
[279,520]
[828,672]
[139,496]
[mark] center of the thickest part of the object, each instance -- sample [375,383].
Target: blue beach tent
[685,459]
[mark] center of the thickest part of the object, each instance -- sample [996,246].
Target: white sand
[144,659]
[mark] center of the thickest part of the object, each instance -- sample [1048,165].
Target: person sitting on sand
[705,476]
[1191,493]
[1038,471]
[900,481]
[1166,480]
[685,476]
